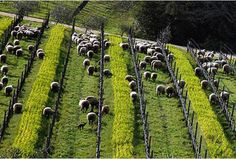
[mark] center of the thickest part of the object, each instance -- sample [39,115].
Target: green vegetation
[217,143]
[5,22]
[31,118]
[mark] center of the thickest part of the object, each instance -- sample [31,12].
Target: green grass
[5,22]
[213,133]
[31,118]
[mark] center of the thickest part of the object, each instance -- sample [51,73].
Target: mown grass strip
[4,23]
[122,136]
[32,115]
[217,144]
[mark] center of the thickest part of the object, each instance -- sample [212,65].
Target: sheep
[30,48]
[19,35]
[95,48]
[17,107]
[153,58]
[47,111]
[132,85]
[8,90]
[40,55]
[91,117]
[212,71]
[198,71]
[156,64]
[223,62]
[86,63]
[160,89]
[90,54]
[158,49]
[19,52]
[107,44]
[181,83]
[4,69]
[160,56]
[150,51]
[4,80]
[170,57]
[204,84]
[14,33]
[105,109]
[107,58]
[81,125]
[16,47]
[147,75]
[96,42]
[90,70]
[213,98]
[93,101]
[84,105]
[107,73]
[224,95]
[133,96]
[124,46]
[3,58]
[83,50]
[129,78]
[89,46]
[170,91]
[216,83]
[153,76]
[143,65]
[1,86]
[54,86]
[16,42]
[147,59]
[9,48]
[142,49]
[226,68]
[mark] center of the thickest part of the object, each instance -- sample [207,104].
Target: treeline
[209,23]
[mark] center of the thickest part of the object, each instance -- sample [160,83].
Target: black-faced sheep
[107,73]
[147,75]
[142,65]
[95,48]
[213,98]
[17,107]
[107,44]
[133,96]
[105,109]
[1,86]
[14,33]
[181,83]
[16,42]
[16,47]
[156,64]
[4,80]
[204,84]
[160,89]
[4,69]
[124,46]
[40,55]
[90,70]
[143,48]
[153,58]
[160,56]
[19,52]
[153,76]
[8,90]
[54,86]
[89,46]
[91,117]
[170,91]
[107,58]
[3,58]
[132,85]
[30,48]
[86,63]
[129,78]
[47,111]
[84,105]
[226,68]
[198,71]
[147,59]
[90,54]
[83,50]
[224,95]
[9,48]
[93,101]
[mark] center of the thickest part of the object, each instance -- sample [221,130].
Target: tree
[93,22]
[24,7]
[63,13]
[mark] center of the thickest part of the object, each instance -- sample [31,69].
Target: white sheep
[90,54]
[160,89]
[107,58]
[107,73]
[133,96]
[4,80]
[54,86]
[8,90]
[213,98]
[3,58]
[105,109]
[170,91]
[86,63]
[129,78]
[143,65]
[153,76]
[132,85]
[93,101]
[147,75]
[4,69]
[90,70]
[224,95]
[91,117]
[204,84]
[84,105]
[47,111]
[17,107]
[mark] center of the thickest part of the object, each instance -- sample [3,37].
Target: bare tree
[62,13]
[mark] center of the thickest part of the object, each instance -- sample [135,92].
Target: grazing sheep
[19,35]
[47,111]
[224,95]
[14,33]
[170,57]
[160,89]
[153,76]
[223,62]
[1,86]
[226,68]
[107,44]
[105,109]
[16,47]
[142,49]
[4,80]
[8,90]
[132,85]
[153,58]
[40,55]
[91,117]
[198,71]
[143,65]
[90,70]
[129,78]
[19,52]
[150,51]
[181,83]
[124,46]
[31,48]
[158,49]
[95,48]
[83,50]
[107,58]
[147,75]
[84,105]
[107,73]
[156,64]
[16,42]
[81,126]
[204,84]
[160,56]
[93,101]
[90,54]
[213,98]
[9,48]
[96,42]
[39,50]
[3,58]
[86,63]
[89,46]
[54,86]
[17,107]
[170,91]
[216,83]
[4,69]
[212,71]
[147,59]
[133,96]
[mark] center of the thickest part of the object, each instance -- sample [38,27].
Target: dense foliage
[209,23]
[5,22]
